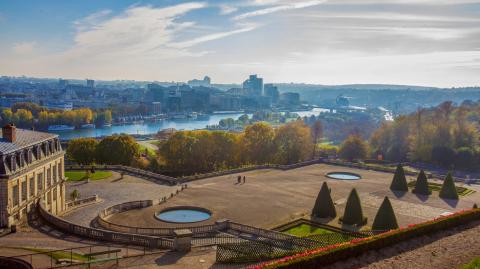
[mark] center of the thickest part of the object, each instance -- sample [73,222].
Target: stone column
[183,240]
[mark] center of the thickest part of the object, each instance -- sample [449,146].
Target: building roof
[24,138]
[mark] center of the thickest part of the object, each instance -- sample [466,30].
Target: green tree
[353,214]
[449,191]
[82,150]
[385,219]
[117,149]
[23,118]
[353,148]
[258,143]
[421,186]
[324,207]
[293,143]
[399,182]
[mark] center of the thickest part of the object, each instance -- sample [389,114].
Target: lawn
[475,264]
[82,175]
[324,236]
[304,230]
[437,187]
[56,255]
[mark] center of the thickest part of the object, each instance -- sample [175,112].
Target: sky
[414,42]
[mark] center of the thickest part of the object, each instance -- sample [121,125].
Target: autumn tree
[82,150]
[117,149]
[293,143]
[353,148]
[317,134]
[257,142]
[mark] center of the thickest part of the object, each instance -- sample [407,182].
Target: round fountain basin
[343,176]
[183,214]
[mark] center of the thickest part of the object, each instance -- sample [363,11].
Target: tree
[353,148]
[421,186]
[399,182]
[293,143]
[465,158]
[117,149]
[258,143]
[443,156]
[23,118]
[74,194]
[82,150]
[324,207]
[317,134]
[449,191]
[385,219]
[353,210]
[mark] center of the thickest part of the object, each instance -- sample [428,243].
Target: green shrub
[353,210]
[399,182]
[324,207]
[421,185]
[449,191]
[385,219]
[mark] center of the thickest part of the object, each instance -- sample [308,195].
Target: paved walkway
[112,191]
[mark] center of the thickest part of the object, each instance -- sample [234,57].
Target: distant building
[290,98]
[31,170]
[197,82]
[342,101]
[254,85]
[155,108]
[271,91]
[65,106]
[90,83]
[237,91]
[225,102]
[62,83]
[157,93]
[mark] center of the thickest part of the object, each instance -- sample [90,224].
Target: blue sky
[418,42]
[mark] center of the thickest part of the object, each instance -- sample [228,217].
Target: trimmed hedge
[421,185]
[399,182]
[323,256]
[385,219]
[353,210]
[448,191]
[324,207]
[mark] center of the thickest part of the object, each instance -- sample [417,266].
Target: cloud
[24,47]
[210,37]
[277,8]
[227,9]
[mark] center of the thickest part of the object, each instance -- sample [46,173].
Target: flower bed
[326,255]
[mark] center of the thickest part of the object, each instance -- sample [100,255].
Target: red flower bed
[313,258]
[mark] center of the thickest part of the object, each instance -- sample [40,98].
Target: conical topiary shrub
[475,206]
[421,186]
[353,210]
[385,219]
[399,182]
[449,191]
[324,207]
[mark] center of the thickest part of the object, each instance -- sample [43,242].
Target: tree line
[27,115]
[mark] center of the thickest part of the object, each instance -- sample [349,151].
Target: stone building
[31,168]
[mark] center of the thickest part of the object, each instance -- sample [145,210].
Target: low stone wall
[71,205]
[103,235]
[158,178]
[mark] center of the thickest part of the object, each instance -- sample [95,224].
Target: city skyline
[423,42]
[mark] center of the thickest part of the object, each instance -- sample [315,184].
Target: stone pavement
[113,191]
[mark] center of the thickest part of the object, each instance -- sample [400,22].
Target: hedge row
[331,254]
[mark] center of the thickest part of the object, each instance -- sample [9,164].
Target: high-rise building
[271,91]
[31,170]
[90,83]
[254,85]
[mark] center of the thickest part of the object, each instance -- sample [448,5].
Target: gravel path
[444,250]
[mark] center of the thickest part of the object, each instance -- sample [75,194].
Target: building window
[40,182]
[54,174]
[59,165]
[13,163]
[32,186]
[49,177]
[24,189]
[15,195]
[49,198]
[54,194]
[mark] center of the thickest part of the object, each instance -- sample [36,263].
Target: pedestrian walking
[243,179]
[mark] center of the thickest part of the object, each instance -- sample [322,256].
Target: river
[153,127]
